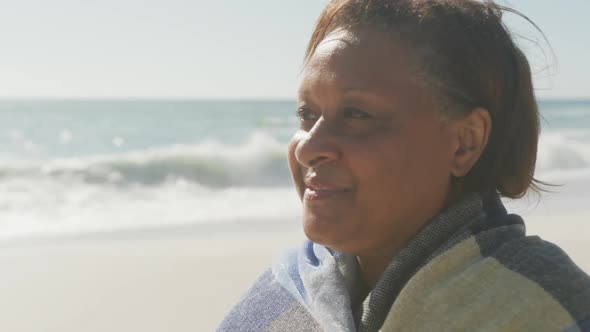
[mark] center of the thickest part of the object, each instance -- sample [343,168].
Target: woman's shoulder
[548,267]
[523,284]
[542,262]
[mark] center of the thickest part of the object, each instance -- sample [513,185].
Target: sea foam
[563,151]
[207,183]
[259,161]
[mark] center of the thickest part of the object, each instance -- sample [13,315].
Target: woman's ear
[472,135]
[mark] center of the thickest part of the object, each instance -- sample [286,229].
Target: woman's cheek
[294,165]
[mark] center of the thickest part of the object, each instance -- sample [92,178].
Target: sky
[219,48]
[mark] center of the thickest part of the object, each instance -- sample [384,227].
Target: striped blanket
[471,269]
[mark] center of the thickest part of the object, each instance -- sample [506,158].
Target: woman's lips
[315,194]
[319,194]
[317,188]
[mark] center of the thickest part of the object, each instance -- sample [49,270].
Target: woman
[415,117]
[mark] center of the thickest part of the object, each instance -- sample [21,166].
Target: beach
[149,152]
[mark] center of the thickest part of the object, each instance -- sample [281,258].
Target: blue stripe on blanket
[255,312]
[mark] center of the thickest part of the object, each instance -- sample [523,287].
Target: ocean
[79,166]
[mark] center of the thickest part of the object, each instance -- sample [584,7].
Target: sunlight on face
[371,160]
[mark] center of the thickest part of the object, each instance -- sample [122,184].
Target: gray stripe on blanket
[298,316]
[547,265]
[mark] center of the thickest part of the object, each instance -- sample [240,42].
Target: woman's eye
[355,113]
[306,115]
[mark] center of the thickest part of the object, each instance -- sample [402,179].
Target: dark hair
[468,56]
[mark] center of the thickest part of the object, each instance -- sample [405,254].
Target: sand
[174,283]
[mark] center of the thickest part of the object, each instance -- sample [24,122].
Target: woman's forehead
[356,60]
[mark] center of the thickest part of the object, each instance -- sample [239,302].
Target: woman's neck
[372,265]
[373,262]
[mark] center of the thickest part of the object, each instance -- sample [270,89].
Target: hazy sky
[214,48]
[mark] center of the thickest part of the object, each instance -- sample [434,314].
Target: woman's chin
[330,234]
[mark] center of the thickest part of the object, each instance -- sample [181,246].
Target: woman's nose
[317,146]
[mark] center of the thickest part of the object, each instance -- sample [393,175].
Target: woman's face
[371,160]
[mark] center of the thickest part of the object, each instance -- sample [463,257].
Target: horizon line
[143,98]
[197,98]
